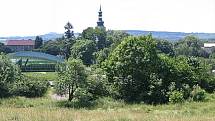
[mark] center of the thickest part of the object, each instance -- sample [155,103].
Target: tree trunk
[71,92]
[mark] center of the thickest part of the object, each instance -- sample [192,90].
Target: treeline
[135,69]
[102,63]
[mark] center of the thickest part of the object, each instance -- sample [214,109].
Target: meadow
[106,109]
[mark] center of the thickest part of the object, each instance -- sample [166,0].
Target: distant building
[20,45]
[100,22]
[209,45]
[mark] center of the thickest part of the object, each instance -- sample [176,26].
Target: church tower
[100,22]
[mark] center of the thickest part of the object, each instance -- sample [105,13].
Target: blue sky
[35,17]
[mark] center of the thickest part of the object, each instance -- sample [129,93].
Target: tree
[99,35]
[129,67]
[69,33]
[72,76]
[84,49]
[190,46]
[9,73]
[4,48]
[138,73]
[69,41]
[38,42]
[89,34]
[53,47]
[166,47]
[115,37]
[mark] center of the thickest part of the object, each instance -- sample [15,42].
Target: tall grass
[106,109]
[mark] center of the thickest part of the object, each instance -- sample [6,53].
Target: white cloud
[32,17]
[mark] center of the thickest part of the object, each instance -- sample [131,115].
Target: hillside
[173,36]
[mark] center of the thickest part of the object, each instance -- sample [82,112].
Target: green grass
[44,75]
[106,109]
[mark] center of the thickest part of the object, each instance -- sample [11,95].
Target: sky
[36,17]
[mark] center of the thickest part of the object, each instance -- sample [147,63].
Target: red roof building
[20,45]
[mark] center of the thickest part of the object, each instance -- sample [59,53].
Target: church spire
[100,22]
[100,9]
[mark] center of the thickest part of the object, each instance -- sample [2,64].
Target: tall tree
[69,41]
[38,42]
[69,33]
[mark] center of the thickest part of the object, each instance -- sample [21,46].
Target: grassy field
[44,75]
[47,109]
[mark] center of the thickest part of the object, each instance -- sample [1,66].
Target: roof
[20,42]
[39,55]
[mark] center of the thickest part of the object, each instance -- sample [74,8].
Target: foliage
[89,34]
[72,76]
[97,83]
[115,37]
[198,94]
[129,67]
[101,55]
[190,46]
[176,97]
[166,47]
[84,49]
[68,34]
[38,42]
[98,35]
[138,73]
[30,86]
[9,73]
[4,48]
[53,47]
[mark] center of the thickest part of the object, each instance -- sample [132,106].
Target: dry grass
[120,114]
[45,109]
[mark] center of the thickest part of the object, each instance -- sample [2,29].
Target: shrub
[176,97]
[97,83]
[30,87]
[9,73]
[136,72]
[198,94]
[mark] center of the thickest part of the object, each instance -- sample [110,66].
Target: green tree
[53,47]
[4,48]
[69,33]
[190,46]
[84,49]
[72,77]
[166,47]
[38,42]
[89,34]
[9,73]
[138,73]
[69,41]
[99,35]
[129,67]
[115,37]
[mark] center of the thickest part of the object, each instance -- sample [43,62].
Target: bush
[176,97]
[30,87]
[9,73]
[198,94]
[97,83]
